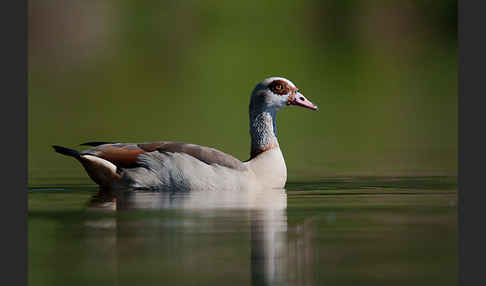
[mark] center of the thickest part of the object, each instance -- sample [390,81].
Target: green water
[345,231]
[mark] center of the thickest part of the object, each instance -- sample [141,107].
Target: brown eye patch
[279,87]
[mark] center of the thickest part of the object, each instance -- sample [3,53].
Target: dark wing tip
[66,151]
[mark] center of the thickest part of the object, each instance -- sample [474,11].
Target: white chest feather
[269,168]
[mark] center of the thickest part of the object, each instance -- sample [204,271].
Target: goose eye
[279,88]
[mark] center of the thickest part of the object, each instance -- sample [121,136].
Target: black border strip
[472,63]
[13,23]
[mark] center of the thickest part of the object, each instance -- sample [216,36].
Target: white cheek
[280,101]
[274,101]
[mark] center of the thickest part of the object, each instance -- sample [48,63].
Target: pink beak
[300,100]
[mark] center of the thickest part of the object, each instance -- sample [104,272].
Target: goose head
[274,93]
[268,97]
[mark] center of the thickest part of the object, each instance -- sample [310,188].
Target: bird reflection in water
[272,258]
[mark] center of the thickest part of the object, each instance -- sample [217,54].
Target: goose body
[177,166]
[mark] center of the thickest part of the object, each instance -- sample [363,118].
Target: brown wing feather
[125,155]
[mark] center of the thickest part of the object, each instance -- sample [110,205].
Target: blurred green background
[383,73]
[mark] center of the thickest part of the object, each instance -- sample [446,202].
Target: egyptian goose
[177,166]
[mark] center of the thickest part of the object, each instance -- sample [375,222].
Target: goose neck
[263,131]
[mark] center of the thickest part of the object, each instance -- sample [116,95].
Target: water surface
[345,231]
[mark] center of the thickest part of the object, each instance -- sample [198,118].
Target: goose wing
[125,154]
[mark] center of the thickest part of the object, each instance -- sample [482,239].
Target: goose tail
[66,151]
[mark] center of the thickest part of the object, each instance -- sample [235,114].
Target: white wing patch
[103,162]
